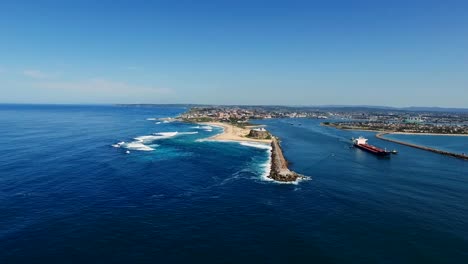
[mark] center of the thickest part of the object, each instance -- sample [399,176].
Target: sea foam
[135,145]
[188,133]
[156,136]
[206,128]
[266,166]
[256,145]
[141,142]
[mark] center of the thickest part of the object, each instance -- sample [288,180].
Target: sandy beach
[233,133]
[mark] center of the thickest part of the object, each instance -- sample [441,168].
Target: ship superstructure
[361,143]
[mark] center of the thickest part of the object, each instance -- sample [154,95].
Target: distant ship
[361,143]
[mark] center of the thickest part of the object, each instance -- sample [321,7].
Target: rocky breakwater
[446,153]
[279,166]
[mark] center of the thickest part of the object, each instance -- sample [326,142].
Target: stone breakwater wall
[279,166]
[446,153]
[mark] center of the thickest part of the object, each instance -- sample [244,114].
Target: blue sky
[396,53]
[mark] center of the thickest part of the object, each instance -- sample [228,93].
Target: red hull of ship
[373,149]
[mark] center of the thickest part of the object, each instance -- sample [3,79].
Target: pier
[446,153]
[279,166]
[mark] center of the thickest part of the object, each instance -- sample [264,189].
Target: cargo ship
[361,143]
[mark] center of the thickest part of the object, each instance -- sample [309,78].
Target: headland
[234,133]
[240,130]
[279,170]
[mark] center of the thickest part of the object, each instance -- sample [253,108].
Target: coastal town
[238,123]
[242,114]
[342,118]
[417,128]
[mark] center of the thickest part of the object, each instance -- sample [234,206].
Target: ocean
[111,184]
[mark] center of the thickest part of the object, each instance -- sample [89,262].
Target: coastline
[438,151]
[279,166]
[424,134]
[278,170]
[381,133]
[233,133]
[395,132]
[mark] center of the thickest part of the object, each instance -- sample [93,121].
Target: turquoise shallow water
[68,196]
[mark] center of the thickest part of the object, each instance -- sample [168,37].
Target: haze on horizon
[393,53]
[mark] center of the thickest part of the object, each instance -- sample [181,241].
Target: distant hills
[436,109]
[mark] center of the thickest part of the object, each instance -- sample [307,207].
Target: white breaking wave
[151,119]
[157,123]
[256,145]
[266,167]
[135,145]
[118,145]
[156,136]
[206,128]
[139,143]
[149,138]
[187,133]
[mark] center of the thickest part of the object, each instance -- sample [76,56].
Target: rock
[259,134]
[279,166]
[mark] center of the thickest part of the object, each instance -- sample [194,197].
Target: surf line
[260,138]
[279,165]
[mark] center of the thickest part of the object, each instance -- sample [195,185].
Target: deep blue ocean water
[68,196]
